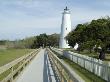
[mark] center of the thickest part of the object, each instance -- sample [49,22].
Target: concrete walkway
[39,70]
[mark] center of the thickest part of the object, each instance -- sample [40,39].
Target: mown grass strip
[9,55]
[5,74]
[92,54]
[85,74]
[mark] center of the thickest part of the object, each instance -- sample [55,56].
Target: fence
[64,73]
[60,51]
[13,68]
[93,65]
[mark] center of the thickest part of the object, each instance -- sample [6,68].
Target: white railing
[60,51]
[93,65]
[20,62]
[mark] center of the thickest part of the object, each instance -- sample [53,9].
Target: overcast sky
[24,18]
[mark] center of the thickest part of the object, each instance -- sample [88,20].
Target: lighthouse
[65,28]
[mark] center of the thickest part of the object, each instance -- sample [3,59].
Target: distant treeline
[3,42]
[41,40]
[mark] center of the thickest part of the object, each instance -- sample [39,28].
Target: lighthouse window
[66,42]
[66,28]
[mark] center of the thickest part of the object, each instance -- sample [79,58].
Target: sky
[24,18]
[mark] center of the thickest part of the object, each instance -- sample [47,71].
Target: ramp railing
[62,71]
[12,69]
[93,65]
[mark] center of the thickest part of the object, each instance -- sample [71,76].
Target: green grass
[85,74]
[5,74]
[96,55]
[9,55]
[92,54]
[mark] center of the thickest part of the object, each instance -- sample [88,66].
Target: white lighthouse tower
[65,28]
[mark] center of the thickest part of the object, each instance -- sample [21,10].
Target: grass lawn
[93,54]
[8,55]
[85,74]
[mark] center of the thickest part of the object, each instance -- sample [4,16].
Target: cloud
[22,18]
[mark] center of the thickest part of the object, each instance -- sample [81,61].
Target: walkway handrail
[59,51]
[64,72]
[22,61]
[93,65]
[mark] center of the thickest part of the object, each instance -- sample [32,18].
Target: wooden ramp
[39,70]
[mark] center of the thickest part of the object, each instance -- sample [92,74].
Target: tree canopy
[93,34]
[41,40]
[46,40]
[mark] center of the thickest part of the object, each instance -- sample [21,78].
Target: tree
[46,40]
[77,35]
[42,40]
[96,33]
[53,40]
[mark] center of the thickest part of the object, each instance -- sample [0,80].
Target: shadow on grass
[91,77]
[84,73]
